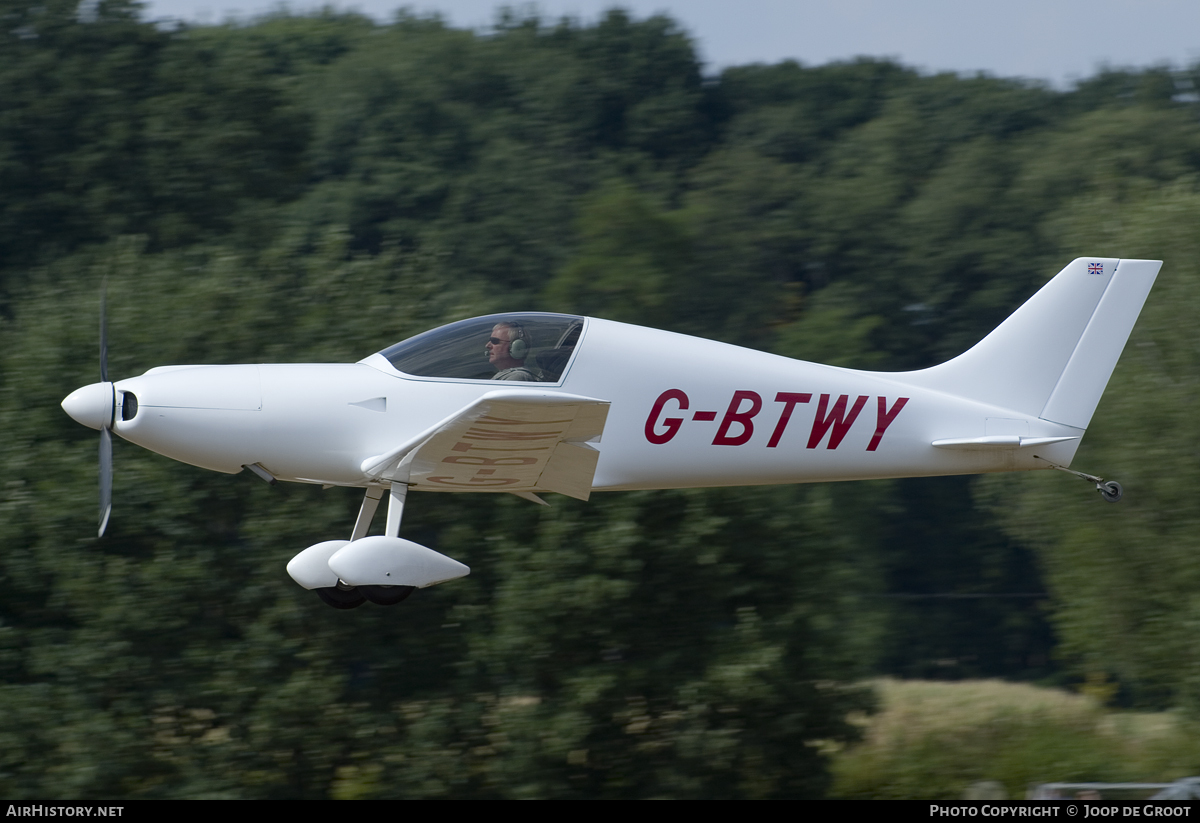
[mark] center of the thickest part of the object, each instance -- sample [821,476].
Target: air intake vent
[129,405]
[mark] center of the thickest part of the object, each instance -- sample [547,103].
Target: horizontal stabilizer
[998,441]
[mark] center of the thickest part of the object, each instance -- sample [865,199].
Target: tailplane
[1054,355]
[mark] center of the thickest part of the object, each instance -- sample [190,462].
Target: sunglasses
[496,341]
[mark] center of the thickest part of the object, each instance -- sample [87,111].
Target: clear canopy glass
[461,350]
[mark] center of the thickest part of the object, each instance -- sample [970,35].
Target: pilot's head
[507,348]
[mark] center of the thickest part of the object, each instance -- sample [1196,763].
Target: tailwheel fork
[1110,490]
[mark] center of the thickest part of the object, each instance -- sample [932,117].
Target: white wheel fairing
[310,568]
[393,561]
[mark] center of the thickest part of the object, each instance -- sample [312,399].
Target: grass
[932,740]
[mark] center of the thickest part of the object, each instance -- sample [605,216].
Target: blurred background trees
[315,188]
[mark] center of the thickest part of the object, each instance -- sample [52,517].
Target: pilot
[506,350]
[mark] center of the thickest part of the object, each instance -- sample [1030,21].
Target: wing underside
[518,441]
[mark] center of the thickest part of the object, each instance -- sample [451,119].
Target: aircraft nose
[91,405]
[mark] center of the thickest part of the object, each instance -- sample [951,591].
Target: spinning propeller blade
[103,334]
[105,433]
[105,479]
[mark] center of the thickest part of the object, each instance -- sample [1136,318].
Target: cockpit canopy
[459,350]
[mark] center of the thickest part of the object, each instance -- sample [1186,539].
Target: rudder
[1082,382]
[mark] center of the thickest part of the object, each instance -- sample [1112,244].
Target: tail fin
[1053,356]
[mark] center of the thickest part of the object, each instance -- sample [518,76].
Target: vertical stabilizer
[1054,355]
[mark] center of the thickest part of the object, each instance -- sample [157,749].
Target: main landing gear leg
[367,513]
[396,508]
[1110,490]
[386,595]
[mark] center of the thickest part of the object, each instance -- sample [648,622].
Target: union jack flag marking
[1095,268]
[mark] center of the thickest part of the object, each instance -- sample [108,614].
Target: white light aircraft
[528,403]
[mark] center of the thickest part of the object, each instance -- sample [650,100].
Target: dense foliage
[309,188]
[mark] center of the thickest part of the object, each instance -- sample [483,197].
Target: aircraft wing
[510,440]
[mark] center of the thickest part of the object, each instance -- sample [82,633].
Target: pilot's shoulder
[516,373]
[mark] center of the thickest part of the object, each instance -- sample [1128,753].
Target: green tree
[1123,577]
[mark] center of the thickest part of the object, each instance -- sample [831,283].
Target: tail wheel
[1110,491]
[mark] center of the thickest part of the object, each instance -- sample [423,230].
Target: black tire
[386,595]
[1111,491]
[341,598]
